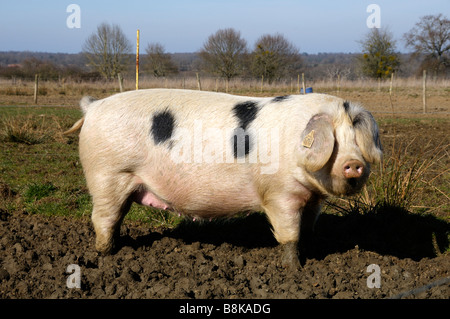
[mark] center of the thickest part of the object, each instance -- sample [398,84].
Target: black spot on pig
[241,142]
[162,126]
[281,98]
[246,113]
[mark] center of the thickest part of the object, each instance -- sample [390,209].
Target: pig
[206,155]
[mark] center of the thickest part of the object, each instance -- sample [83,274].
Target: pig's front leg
[293,221]
[309,215]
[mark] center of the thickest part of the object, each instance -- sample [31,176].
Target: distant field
[406,96]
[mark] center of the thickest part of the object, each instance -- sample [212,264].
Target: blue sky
[183,26]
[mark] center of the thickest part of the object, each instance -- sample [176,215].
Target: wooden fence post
[303,83]
[390,85]
[198,82]
[119,77]
[36,84]
[424,91]
[390,92]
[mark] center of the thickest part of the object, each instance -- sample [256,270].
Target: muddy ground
[234,258]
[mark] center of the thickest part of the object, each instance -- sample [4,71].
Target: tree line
[225,53]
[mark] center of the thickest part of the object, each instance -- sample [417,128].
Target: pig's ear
[316,143]
[367,137]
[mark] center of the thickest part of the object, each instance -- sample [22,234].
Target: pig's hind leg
[111,199]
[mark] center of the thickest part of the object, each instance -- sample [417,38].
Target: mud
[234,258]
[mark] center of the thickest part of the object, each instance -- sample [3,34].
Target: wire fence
[422,289]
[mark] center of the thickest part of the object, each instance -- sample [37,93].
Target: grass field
[41,172]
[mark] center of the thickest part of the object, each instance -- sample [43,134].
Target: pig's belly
[198,201]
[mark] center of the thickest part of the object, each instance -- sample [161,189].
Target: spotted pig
[205,155]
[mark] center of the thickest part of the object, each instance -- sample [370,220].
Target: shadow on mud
[387,231]
[250,231]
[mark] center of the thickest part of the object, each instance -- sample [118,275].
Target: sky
[183,26]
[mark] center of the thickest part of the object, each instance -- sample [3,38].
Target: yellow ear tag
[308,140]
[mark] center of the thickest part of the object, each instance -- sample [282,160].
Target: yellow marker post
[137,60]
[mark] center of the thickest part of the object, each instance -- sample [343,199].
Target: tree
[107,49]
[223,53]
[158,62]
[379,58]
[431,37]
[274,57]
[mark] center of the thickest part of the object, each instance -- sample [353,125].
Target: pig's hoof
[290,259]
[105,249]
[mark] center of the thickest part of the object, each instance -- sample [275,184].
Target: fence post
[303,83]
[36,84]
[119,76]
[198,82]
[137,59]
[424,91]
[390,85]
[390,92]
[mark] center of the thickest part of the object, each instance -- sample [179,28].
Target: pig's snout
[353,169]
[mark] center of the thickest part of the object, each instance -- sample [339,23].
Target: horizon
[182,27]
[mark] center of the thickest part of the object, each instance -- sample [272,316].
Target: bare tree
[274,57]
[223,53]
[107,49]
[158,62]
[431,37]
[337,69]
[379,58]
